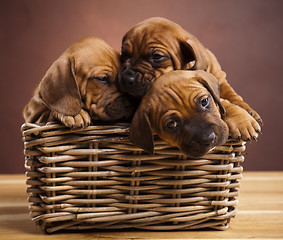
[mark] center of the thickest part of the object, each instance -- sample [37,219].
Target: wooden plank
[260,214]
[261,191]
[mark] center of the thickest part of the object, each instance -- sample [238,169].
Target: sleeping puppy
[157,46]
[184,109]
[80,87]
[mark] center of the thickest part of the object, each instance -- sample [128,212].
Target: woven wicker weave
[94,178]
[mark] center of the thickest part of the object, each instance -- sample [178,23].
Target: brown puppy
[80,86]
[241,124]
[184,108]
[156,46]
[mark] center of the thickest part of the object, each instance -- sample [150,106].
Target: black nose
[211,137]
[129,77]
[202,137]
[206,139]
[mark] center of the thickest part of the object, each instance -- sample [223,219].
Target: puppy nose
[209,139]
[204,139]
[129,77]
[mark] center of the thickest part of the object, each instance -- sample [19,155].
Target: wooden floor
[260,214]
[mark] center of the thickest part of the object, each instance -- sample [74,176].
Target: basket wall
[94,178]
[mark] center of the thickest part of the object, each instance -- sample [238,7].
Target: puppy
[80,87]
[157,46]
[184,109]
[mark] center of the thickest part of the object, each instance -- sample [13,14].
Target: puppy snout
[127,104]
[121,108]
[129,77]
[204,139]
[199,140]
[209,139]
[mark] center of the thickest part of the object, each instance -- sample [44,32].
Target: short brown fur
[80,87]
[172,108]
[157,46]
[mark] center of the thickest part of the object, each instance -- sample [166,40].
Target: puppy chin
[98,114]
[193,152]
[120,108]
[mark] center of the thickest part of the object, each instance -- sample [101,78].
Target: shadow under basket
[95,178]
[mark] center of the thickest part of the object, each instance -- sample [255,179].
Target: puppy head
[152,48]
[184,109]
[84,76]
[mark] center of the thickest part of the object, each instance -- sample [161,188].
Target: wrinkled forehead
[180,94]
[151,35]
[98,56]
[153,27]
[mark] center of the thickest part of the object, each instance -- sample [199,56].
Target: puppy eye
[125,54]
[205,102]
[156,57]
[103,79]
[172,124]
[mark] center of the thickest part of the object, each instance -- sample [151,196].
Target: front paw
[252,112]
[242,125]
[256,116]
[81,120]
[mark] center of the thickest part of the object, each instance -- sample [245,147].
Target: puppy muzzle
[199,145]
[119,109]
[134,81]
[200,139]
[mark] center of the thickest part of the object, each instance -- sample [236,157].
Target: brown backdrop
[246,36]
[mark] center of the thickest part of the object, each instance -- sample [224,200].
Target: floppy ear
[59,90]
[141,132]
[192,52]
[212,85]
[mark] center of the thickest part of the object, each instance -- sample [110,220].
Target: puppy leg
[35,111]
[79,121]
[241,124]
[226,91]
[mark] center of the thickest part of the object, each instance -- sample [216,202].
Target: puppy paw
[252,112]
[242,125]
[81,120]
[256,116]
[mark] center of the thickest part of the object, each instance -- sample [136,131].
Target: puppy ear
[193,51]
[141,132]
[59,90]
[211,84]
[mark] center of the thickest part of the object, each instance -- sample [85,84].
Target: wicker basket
[94,178]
